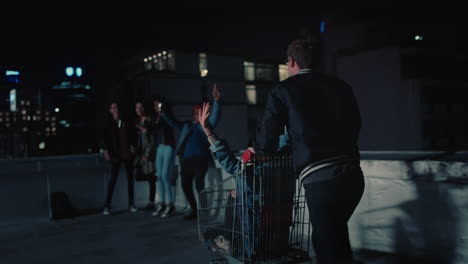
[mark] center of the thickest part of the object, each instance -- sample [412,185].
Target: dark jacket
[117,141]
[162,133]
[144,140]
[321,115]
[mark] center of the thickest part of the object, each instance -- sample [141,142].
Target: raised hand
[203,116]
[216,93]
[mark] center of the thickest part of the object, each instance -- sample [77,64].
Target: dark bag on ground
[61,206]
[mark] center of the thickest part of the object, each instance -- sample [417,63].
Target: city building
[25,130]
[72,102]
[186,78]
[410,85]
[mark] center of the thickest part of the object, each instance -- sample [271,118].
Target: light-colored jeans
[164,167]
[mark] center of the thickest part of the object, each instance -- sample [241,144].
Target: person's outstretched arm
[220,149]
[172,122]
[215,116]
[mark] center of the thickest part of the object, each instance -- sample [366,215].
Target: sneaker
[169,210]
[191,215]
[132,208]
[106,211]
[160,210]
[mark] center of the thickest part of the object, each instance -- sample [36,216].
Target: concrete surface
[122,237]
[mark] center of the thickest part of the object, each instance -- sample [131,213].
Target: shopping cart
[256,216]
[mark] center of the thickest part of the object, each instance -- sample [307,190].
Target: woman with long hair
[145,151]
[165,155]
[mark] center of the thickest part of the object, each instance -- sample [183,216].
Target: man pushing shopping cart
[323,121]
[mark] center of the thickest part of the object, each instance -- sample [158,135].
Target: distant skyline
[41,43]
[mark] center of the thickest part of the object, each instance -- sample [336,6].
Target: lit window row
[158,55]
[264,72]
[160,61]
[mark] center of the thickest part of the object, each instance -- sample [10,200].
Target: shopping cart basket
[257,215]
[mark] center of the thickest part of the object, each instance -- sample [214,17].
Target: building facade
[186,79]
[409,89]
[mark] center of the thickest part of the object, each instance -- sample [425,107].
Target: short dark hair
[304,52]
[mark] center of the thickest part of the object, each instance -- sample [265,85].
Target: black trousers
[113,180]
[193,168]
[331,204]
[152,192]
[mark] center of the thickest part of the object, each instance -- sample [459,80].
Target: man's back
[321,114]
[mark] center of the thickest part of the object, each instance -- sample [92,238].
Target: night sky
[41,42]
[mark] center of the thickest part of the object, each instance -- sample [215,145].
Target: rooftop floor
[122,237]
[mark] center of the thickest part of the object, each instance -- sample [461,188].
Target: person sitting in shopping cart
[266,217]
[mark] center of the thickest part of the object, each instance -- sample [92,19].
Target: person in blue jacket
[194,149]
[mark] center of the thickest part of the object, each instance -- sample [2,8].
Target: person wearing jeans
[118,141]
[165,155]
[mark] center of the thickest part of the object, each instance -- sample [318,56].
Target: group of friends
[322,120]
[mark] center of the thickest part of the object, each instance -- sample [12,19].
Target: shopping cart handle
[247,156]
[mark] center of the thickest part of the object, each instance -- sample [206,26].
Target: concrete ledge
[408,207]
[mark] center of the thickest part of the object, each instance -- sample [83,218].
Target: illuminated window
[171,63]
[12,76]
[283,72]
[42,145]
[160,61]
[69,71]
[322,27]
[79,72]
[251,93]
[203,64]
[13,100]
[249,71]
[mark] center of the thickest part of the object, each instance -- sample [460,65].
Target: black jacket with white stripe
[321,115]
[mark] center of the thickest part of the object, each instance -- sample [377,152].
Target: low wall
[408,207]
